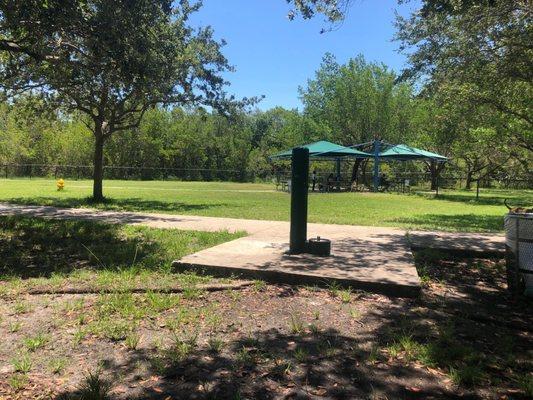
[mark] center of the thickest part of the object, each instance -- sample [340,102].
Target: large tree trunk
[98,164]
[468,183]
[435,169]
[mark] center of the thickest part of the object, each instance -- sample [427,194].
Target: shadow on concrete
[486,245]
[112,216]
[112,204]
[377,262]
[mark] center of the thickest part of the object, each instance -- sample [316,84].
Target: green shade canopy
[325,150]
[403,152]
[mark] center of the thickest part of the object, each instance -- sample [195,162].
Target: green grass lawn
[452,210]
[58,253]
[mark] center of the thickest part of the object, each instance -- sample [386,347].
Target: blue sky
[273,56]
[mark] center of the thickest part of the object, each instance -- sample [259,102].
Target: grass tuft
[467,375]
[215,344]
[18,381]
[22,363]
[36,342]
[93,387]
[132,340]
[525,383]
[14,326]
[57,365]
[296,324]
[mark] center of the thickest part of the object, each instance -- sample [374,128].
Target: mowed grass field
[451,211]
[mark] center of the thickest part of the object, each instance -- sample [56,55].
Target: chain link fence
[126,173]
[392,181]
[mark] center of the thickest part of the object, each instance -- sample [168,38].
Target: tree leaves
[358,101]
[111,60]
[482,46]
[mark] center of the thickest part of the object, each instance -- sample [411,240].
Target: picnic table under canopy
[400,152]
[324,150]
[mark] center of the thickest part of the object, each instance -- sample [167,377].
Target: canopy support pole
[377,149]
[337,168]
[299,188]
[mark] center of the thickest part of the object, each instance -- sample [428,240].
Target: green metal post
[299,188]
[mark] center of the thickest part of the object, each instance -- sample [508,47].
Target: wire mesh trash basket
[519,252]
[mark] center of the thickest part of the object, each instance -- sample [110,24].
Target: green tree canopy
[479,49]
[111,61]
[358,101]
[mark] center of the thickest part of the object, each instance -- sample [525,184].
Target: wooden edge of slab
[178,289]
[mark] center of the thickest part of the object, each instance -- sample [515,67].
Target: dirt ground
[465,337]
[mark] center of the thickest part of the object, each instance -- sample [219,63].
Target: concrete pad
[364,258]
[371,258]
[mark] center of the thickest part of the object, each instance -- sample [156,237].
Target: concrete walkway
[369,258]
[454,241]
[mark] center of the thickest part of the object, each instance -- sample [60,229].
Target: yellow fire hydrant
[60,184]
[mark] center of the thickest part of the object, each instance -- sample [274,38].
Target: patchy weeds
[464,336]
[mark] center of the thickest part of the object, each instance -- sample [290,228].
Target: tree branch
[13,47]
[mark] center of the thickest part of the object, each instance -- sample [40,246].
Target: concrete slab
[372,259]
[369,258]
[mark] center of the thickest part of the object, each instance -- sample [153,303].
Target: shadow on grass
[270,364]
[515,198]
[376,356]
[129,204]
[385,357]
[460,222]
[34,247]
[38,247]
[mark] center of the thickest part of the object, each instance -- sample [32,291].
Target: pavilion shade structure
[403,152]
[325,150]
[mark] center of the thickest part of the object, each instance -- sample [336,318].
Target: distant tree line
[135,76]
[345,103]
